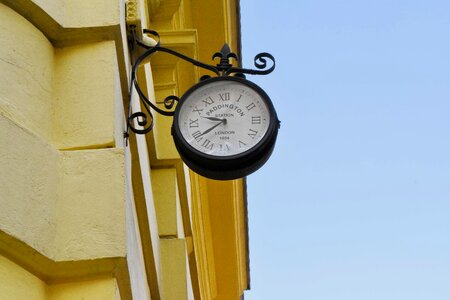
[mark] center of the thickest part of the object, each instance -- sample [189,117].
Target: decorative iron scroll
[144,118]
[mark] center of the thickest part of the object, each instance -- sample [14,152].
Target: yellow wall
[62,183]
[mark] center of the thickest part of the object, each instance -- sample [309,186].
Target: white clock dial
[224,118]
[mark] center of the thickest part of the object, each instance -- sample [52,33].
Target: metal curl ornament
[224,68]
[142,120]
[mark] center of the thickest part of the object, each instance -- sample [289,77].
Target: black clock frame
[215,167]
[232,166]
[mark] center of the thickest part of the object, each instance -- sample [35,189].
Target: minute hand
[223,121]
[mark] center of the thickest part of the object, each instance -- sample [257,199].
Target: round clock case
[225,127]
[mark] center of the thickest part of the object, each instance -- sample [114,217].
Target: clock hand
[223,121]
[213,119]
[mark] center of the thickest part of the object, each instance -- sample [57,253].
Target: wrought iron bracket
[264,63]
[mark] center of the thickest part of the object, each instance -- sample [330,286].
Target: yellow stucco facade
[84,215]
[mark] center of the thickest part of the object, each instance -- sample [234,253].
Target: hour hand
[213,119]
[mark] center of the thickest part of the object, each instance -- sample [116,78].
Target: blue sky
[354,204]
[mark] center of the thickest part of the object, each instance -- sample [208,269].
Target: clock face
[223,118]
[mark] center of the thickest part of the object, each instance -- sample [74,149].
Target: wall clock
[225,127]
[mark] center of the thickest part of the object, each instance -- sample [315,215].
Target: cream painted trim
[147,80]
[184,187]
[143,221]
[135,254]
[145,173]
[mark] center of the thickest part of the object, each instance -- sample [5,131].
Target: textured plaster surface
[66,95]
[67,12]
[95,13]
[91,206]
[26,73]
[84,95]
[67,205]
[28,186]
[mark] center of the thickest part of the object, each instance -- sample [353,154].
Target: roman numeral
[224,96]
[239,98]
[256,120]
[252,133]
[251,106]
[199,110]
[242,144]
[197,135]
[207,144]
[208,101]
[193,123]
[226,145]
